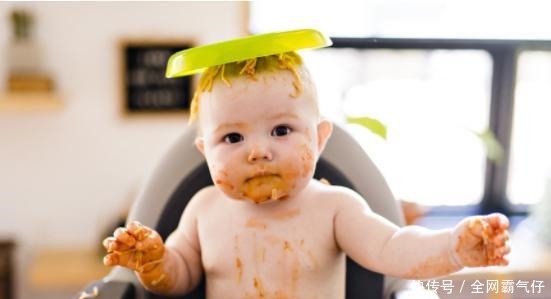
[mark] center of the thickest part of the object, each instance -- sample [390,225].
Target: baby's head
[259,127]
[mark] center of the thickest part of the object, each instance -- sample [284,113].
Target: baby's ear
[200,144]
[325,128]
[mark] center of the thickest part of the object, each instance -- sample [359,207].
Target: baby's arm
[170,268]
[413,251]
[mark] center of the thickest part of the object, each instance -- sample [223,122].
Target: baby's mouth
[262,175]
[263,186]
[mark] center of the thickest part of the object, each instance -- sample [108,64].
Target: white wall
[65,174]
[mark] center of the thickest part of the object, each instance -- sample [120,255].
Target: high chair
[182,172]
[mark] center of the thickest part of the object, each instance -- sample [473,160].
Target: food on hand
[135,246]
[482,241]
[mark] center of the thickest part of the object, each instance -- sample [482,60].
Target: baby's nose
[259,154]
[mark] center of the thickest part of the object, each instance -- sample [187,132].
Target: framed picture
[144,88]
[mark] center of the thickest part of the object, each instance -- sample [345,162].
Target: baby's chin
[264,194]
[262,189]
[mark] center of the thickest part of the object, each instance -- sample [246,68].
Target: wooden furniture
[29,101]
[67,270]
[6,269]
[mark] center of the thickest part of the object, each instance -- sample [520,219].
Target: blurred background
[461,89]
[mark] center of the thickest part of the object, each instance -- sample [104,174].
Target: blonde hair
[249,68]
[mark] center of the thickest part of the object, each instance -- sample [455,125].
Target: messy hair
[249,68]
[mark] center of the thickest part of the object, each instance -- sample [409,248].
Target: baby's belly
[293,286]
[276,270]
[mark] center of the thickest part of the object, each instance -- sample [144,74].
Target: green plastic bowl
[195,60]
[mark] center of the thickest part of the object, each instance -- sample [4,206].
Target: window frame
[504,55]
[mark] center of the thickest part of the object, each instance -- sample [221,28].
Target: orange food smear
[259,287]
[238,263]
[256,223]
[483,253]
[280,295]
[224,184]
[307,158]
[286,246]
[260,189]
[239,267]
[263,254]
[295,275]
[285,215]
[433,266]
[488,234]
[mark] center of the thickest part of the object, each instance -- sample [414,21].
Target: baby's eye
[281,130]
[233,138]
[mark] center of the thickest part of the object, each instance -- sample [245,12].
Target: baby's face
[261,144]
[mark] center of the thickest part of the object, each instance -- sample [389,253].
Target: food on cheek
[276,184]
[307,160]
[221,179]
[224,184]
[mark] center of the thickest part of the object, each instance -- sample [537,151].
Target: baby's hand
[135,246]
[482,241]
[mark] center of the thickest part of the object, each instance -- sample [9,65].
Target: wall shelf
[29,101]
[65,269]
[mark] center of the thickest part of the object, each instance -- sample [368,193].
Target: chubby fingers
[117,251]
[124,236]
[111,244]
[497,221]
[118,247]
[489,226]
[120,241]
[129,259]
[111,259]
[500,258]
[151,242]
[498,239]
[134,246]
[478,227]
[138,230]
[501,248]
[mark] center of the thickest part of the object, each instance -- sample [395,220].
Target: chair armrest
[108,290]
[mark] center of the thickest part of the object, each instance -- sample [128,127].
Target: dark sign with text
[145,87]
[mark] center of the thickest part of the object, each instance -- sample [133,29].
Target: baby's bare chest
[289,247]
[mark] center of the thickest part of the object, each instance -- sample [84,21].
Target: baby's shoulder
[203,199]
[336,195]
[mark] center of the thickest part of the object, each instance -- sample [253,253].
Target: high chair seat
[182,172]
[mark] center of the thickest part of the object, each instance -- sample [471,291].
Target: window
[531,147]
[489,19]
[432,102]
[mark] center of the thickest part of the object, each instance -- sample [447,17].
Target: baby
[267,229]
